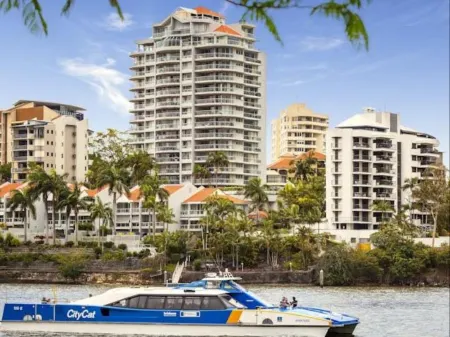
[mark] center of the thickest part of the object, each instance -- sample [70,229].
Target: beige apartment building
[199,86]
[298,130]
[53,135]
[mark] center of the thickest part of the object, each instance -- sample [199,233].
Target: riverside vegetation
[256,238]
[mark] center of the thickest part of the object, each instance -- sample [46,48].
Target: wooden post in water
[321,278]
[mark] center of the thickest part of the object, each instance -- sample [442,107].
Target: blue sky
[84,60]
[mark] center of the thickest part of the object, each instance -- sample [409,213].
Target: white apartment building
[369,157]
[199,87]
[297,130]
[52,135]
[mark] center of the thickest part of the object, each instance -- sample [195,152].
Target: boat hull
[345,330]
[166,329]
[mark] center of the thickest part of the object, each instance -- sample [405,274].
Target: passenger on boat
[284,303]
[45,300]
[294,302]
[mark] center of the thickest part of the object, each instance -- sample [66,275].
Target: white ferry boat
[214,306]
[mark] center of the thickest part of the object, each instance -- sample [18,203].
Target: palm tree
[255,190]
[141,164]
[24,200]
[76,201]
[165,215]
[116,178]
[102,212]
[58,187]
[384,207]
[304,168]
[217,160]
[267,234]
[201,172]
[153,193]
[41,185]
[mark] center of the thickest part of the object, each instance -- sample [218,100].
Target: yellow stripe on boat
[234,317]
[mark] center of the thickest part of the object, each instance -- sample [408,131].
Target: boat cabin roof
[117,294]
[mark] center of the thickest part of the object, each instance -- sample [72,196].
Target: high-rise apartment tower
[199,87]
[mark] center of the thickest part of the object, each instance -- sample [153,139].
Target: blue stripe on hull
[79,313]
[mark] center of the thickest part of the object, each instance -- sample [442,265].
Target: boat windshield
[232,302]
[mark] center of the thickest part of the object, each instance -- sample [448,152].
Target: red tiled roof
[281,164]
[201,195]
[94,192]
[316,155]
[206,11]
[205,193]
[135,194]
[171,189]
[261,214]
[227,30]
[8,188]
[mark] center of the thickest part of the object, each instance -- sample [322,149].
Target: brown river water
[383,312]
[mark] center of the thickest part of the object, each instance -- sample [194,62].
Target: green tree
[25,201]
[255,190]
[41,185]
[305,167]
[103,212]
[5,172]
[154,193]
[76,201]
[217,160]
[58,186]
[201,172]
[384,207]
[257,10]
[432,193]
[116,178]
[141,164]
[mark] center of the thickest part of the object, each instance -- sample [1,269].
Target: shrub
[69,244]
[122,246]
[28,243]
[108,244]
[170,268]
[71,266]
[114,255]
[85,227]
[97,252]
[11,241]
[197,264]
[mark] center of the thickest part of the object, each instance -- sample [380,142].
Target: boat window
[121,303]
[142,301]
[155,302]
[137,302]
[133,302]
[192,303]
[230,302]
[174,302]
[212,303]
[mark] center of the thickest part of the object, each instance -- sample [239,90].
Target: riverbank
[123,275]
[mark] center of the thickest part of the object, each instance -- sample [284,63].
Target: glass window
[192,303]
[212,303]
[154,302]
[174,303]
[142,302]
[133,302]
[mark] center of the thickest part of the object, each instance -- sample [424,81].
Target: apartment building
[369,157]
[186,201]
[199,87]
[285,164]
[298,129]
[53,135]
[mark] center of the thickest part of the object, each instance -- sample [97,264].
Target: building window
[62,155]
[62,167]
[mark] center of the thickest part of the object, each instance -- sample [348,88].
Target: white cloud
[312,43]
[292,83]
[114,22]
[106,81]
